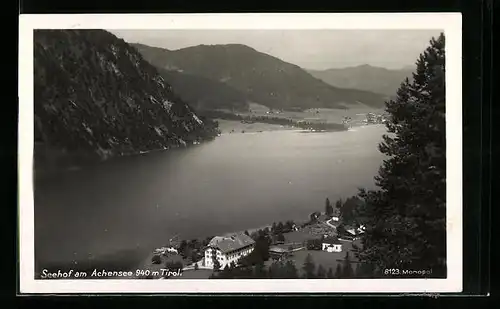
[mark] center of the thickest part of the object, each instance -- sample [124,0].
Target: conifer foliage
[95,96]
[405,216]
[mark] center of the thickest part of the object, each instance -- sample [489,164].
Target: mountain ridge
[265,79]
[366,77]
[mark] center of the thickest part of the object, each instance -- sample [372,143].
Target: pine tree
[357,271]
[182,247]
[291,270]
[347,271]
[266,231]
[338,272]
[280,227]
[274,270]
[350,209]
[260,271]
[328,208]
[329,274]
[309,267]
[194,256]
[321,274]
[280,237]
[338,204]
[405,217]
[289,225]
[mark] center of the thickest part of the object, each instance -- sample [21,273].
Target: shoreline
[144,268]
[236,127]
[48,170]
[146,263]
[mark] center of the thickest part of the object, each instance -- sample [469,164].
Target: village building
[331,244]
[278,252]
[228,249]
[353,233]
[282,251]
[165,250]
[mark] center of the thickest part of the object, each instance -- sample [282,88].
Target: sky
[309,49]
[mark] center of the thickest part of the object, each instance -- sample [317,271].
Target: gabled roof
[331,240]
[231,242]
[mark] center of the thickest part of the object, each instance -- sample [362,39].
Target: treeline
[306,125]
[347,210]
[193,249]
[276,231]
[288,270]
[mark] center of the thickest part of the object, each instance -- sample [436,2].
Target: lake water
[125,207]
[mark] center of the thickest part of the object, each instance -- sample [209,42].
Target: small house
[278,252]
[352,232]
[331,244]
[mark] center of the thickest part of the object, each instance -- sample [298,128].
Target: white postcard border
[451,23]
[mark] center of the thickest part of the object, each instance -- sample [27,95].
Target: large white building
[228,249]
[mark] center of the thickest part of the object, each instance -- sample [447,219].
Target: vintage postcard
[240,153]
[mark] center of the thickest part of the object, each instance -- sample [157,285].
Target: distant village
[327,238]
[370,118]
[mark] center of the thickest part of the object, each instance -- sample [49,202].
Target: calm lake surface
[127,206]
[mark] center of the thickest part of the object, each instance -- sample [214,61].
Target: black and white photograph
[240,153]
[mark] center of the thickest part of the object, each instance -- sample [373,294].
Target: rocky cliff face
[95,96]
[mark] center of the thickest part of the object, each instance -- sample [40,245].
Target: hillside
[95,96]
[202,93]
[365,77]
[262,78]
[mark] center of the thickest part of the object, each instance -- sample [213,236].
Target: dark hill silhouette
[203,93]
[264,79]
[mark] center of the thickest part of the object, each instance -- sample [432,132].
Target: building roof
[277,249]
[351,231]
[231,242]
[331,240]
